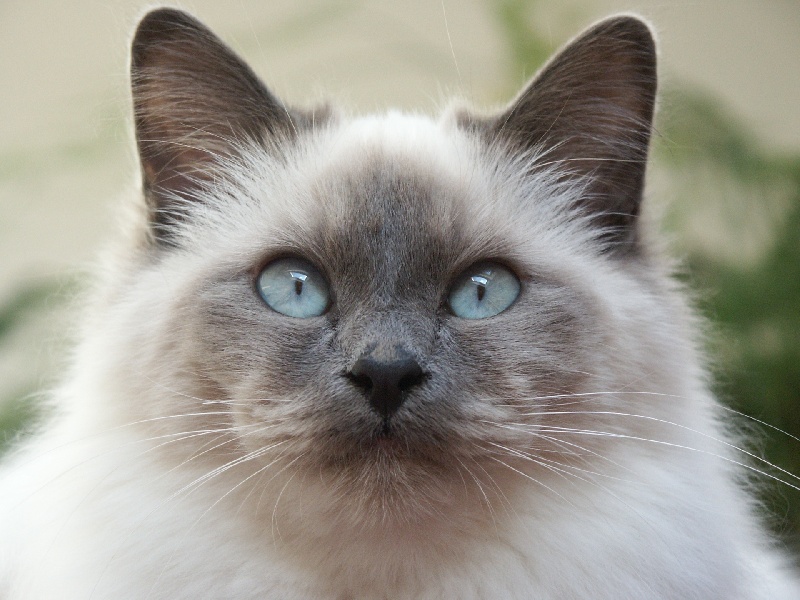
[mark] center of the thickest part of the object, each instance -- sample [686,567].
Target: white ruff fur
[156,479]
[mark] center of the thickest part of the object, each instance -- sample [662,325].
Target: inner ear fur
[195,102]
[589,112]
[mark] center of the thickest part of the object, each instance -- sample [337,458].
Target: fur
[206,446]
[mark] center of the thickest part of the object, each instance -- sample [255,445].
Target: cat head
[394,311]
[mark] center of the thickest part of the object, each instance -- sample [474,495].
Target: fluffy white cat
[387,357]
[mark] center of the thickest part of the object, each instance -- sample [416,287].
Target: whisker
[561,468]
[692,449]
[679,426]
[525,429]
[209,509]
[482,491]
[507,504]
[274,519]
[533,479]
[760,422]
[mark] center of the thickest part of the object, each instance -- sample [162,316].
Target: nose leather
[385,379]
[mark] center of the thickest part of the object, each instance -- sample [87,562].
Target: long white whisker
[679,426]
[480,488]
[215,503]
[274,520]
[690,448]
[760,422]
[526,429]
[533,479]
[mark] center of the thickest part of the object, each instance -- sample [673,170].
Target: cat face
[400,308]
[390,263]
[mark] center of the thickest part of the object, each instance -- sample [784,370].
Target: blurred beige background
[65,147]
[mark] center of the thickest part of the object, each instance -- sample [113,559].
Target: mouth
[385,440]
[403,440]
[388,439]
[386,428]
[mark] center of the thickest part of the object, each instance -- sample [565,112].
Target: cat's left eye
[484,290]
[294,287]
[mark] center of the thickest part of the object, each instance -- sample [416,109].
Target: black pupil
[298,286]
[481,291]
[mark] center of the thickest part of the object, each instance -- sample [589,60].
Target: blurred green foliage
[755,305]
[18,408]
[18,413]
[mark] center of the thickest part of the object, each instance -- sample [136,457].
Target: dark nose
[387,380]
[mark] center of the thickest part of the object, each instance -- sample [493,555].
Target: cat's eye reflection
[483,290]
[294,287]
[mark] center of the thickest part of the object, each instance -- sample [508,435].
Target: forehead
[393,198]
[400,203]
[391,201]
[396,170]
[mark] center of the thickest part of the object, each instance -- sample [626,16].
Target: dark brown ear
[590,109]
[194,102]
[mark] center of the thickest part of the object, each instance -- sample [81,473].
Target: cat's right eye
[294,287]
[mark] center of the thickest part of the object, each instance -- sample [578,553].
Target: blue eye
[484,290]
[293,287]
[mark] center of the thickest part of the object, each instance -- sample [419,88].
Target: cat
[386,357]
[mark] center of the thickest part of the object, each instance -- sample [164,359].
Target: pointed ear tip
[630,26]
[164,16]
[160,23]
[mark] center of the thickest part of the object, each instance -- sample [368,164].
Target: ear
[194,103]
[590,111]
